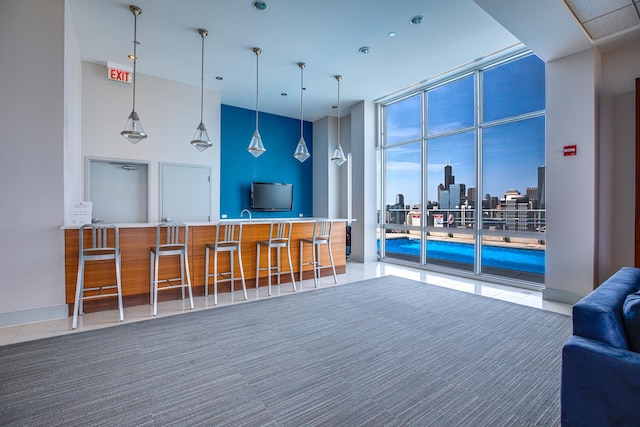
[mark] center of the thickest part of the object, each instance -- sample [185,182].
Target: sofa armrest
[600,384]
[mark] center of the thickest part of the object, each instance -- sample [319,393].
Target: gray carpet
[387,351]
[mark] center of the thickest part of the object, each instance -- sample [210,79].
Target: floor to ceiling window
[473,143]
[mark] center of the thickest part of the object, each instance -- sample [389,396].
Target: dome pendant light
[301,153]
[133,129]
[338,155]
[255,146]
[201,139]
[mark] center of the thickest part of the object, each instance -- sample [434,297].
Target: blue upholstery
[600,375]
[631,316]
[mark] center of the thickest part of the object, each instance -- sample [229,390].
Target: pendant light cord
[338,78]
[135,55]
[257,52]
[203,34]
[301,65]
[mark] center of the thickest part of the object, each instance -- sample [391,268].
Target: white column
[328,179]
[363,149]
[572,191]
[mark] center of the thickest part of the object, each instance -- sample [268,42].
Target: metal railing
[519,220]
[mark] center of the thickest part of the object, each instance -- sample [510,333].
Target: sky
[511,151]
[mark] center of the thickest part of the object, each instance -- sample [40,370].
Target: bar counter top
[244,221]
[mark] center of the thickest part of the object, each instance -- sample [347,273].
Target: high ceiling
[326,35]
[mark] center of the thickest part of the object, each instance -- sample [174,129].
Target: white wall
[617,159]
[32,134]
[572,84]
[169,112]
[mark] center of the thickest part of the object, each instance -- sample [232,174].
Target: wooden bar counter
[137,239]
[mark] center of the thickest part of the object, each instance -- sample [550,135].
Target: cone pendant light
[255,146]
[338,155]
[133,128]
[201,138]
[302,152]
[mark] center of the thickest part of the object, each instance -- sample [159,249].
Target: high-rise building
[532,194]
[541,197]
[448,177]
[444,199]
[511,194]
[471,196]
[454,196]
[440,190]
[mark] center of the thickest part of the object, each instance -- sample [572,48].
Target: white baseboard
[31,315]
[561,296]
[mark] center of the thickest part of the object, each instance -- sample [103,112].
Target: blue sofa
[600,383]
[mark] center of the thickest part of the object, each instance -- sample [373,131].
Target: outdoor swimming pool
[529,260]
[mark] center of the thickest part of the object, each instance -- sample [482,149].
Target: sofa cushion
[598,316]
[631,316]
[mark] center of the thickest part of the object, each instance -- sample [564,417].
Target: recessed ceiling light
[392,34]
[365,50]
[218,78]
[418,19]
[260,5]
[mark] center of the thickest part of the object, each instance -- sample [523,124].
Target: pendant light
[255,146]
[133,128]
[301,153]
[338,155]
[201,138]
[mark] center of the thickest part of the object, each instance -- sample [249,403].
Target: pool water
[529,260]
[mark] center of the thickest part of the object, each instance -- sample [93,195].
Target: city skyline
[407,178]
[509,130]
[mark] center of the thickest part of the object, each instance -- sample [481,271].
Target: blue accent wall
[238,168]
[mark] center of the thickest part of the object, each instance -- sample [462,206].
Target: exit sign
[118,73]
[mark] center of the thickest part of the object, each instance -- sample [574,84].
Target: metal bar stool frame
[228,239]
[279,238]
[321,237]
[102,248]
[175,242]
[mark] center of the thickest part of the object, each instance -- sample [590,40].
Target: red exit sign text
[119,75]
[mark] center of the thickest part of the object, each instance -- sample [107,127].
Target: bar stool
[171,239]
[321,237]
[279,238]
[228,238]
[105,245]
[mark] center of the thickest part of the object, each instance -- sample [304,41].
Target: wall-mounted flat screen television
[271,196]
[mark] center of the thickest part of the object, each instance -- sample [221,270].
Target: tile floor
[355,272]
